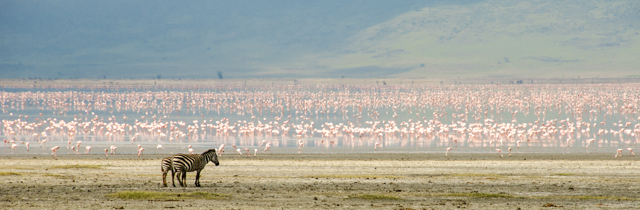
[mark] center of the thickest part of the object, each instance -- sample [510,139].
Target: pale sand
[323,181]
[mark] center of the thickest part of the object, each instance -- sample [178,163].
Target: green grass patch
[148,195]
[479,175]
[373,197]
[77,167]
[348,176]
[477,195]
[591,198]
[58,176]
[3,173]
[563,174]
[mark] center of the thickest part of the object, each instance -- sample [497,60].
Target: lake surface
[324,118]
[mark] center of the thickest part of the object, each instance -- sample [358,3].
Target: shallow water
[539,113]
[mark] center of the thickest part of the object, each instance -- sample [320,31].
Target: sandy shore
[322,181]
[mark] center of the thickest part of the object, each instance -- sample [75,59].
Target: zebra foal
[183,163]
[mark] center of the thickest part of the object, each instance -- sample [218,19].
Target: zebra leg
[184,179]
[179,177]
[172,182]
[164,178]
[198,178]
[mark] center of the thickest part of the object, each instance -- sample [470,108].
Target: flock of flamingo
[495,117]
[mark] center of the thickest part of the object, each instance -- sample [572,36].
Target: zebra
[183,163]
[166,167]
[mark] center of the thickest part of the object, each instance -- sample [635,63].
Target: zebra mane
[209,151]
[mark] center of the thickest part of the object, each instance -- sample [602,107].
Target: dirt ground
[323,181]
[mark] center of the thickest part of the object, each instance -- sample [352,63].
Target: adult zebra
[166,167]
[183,163]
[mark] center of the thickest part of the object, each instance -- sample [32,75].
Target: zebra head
[212,156]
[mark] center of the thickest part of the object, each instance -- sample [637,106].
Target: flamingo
[300,145]
[87,150]
[53,151]
[499,151]
[248,153]
[255,152]
[446,153]
[140,151]
[589,142]
[266,147]
[221,150]
[113,149]
[239,152]
[631,151]
[618,153]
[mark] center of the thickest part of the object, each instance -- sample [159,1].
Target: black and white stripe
[183,163]
[166,167]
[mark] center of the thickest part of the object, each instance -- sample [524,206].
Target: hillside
[283,39]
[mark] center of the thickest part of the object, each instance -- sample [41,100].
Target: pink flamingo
[248,153]
[113,149]
[509,151]
[631,151]
[190,150]
[300,145]
[106,152]
[446,153]
[499,151]
[618,153]
[589,142]
[255,152]
[266,147]
[87,150]
[375,146]
[53,151]
[27,145]
[221,150]
[140,151]
[239,152]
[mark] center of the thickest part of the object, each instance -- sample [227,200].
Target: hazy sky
[142,39]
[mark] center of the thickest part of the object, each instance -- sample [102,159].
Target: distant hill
[283,39]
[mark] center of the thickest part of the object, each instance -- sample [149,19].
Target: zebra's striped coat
[183,163]
[166,167]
